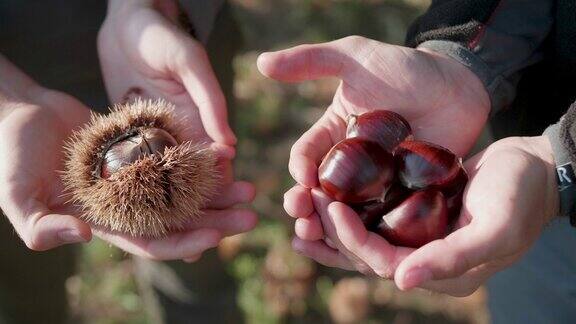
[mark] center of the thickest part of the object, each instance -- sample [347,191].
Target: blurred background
[275,285]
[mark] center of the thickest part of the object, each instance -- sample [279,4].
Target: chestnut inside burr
[133,146]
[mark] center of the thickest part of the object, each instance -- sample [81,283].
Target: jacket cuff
[500,90]
[562,136]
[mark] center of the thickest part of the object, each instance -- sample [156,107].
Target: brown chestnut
[385,127]
[133,146]
[421,218]
[356,171]
[422,164]
[371,212]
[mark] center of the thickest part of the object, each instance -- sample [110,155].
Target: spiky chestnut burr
[131,172]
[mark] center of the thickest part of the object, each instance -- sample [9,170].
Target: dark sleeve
[496,39]
[562,136]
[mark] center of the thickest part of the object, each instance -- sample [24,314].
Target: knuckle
[354,39]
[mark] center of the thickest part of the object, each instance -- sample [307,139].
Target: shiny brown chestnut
[421,218]
[371,212]
[387,128]
[133,146]
[422,164]
[356,171]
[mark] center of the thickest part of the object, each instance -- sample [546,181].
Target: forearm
[13,82]
[15,86]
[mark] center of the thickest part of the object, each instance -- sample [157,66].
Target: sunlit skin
[511,194]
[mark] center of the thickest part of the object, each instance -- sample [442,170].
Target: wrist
[461,81]
[541,147]
[16,87]
[562,138]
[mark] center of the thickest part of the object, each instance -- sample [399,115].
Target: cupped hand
[444,102]
[33,130]
[510,197]
[144,53]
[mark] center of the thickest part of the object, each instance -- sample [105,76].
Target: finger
[322,254]
[310,62]
[203,87]
[298,202]
[379,255]
[307,153]
[174,247]
[228,222]
[450,257]
[239,192]
[192,259]
[223,151]
[309,229]
[45,232]
[321,202]
[39,227]
[461,286]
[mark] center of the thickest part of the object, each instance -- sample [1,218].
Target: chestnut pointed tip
[384,127]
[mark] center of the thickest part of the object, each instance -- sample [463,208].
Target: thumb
[42,230]
[52,230]
[309,62]
[447,258]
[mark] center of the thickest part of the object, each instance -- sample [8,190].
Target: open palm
[444,102]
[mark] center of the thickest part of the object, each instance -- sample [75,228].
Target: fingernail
[71,236]
[416,277]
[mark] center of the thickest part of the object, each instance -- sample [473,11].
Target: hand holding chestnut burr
[140,182]
[36,122]
[144,51]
